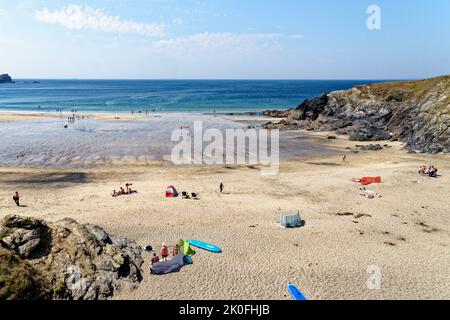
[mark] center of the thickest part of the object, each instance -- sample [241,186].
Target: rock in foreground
[79,262]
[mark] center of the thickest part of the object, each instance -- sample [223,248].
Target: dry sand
[405,233]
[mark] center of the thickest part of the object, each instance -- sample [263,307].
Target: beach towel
[365,181]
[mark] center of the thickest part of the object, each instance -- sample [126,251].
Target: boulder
[82,262]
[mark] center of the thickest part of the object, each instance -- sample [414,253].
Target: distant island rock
[414,112]
[5,78]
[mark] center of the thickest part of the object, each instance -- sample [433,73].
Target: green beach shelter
[188,251]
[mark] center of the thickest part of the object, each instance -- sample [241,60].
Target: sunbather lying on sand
[123,192]
[369,194]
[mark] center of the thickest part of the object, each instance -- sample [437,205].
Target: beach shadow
[59,179]
[330,164]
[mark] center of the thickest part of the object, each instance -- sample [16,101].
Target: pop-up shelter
[176,263]
[291,221]
[171,192]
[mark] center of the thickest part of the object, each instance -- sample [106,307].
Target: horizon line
[222,79]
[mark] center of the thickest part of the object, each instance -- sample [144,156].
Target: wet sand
[406,232]
[99,140]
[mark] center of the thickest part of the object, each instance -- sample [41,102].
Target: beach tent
[291,221]
[177,262]
[186,247]
[171,192]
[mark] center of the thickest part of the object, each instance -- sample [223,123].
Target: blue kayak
[296,293]
[205,246]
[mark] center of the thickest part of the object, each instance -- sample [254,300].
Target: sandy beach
[405,232]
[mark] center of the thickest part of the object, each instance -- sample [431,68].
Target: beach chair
[185,195]
[195,196]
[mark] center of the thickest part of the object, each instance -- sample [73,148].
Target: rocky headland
[64,260]
[414,112]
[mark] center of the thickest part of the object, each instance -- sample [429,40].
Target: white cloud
[224,42]
[85,17]
[177,21]
[297,36]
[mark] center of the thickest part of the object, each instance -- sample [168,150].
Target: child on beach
[176,250]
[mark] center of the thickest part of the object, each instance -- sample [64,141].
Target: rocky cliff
[64,260]
[415,112]
[5,78]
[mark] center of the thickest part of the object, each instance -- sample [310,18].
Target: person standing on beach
[16,198]
[221,187]
[164,252]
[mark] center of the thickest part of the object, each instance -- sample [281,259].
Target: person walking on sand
[221,187]
[164,252]
[16,198]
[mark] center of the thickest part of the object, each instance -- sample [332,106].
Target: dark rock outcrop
[81,262]
[415,112]
[5,78]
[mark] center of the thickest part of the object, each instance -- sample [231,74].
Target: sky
[224,39]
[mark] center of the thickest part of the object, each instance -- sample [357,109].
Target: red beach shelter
[171,192]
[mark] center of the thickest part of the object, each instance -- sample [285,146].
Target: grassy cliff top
[409,90]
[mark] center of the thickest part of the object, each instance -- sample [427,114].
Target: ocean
[200,96]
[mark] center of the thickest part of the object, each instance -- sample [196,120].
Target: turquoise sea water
[202,96]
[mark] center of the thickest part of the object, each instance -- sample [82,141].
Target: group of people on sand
[165,253]
[122,191]
[431,171]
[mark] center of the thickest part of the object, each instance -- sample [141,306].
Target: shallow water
[46,143]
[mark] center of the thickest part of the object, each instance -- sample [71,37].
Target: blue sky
[224,39]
